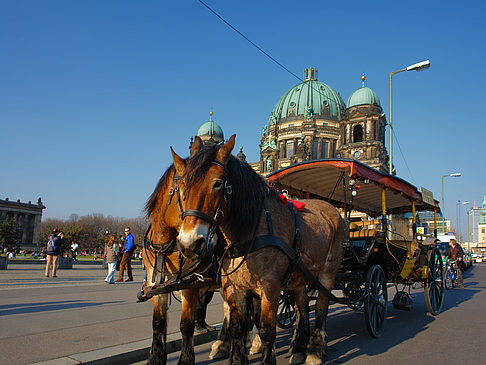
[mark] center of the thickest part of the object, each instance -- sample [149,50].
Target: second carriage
[382,246]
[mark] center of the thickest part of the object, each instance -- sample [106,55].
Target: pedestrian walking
[53,250]
[126,261]
[110,255]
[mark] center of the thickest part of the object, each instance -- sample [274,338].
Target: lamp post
[417,67]
[455,174]
[458,205]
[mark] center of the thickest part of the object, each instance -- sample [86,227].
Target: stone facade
[28,217]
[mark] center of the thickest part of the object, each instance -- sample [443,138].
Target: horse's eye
[218,184]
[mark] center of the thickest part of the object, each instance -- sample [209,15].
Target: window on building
[290,149]
[333,148]
[358,133]
[324,147]
[315,150]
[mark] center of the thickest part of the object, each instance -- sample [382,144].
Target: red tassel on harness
[298,205]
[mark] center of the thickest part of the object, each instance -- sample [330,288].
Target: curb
[130,352]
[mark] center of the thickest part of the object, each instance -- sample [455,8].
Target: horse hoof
[297,358]
[218,351]
[313,360]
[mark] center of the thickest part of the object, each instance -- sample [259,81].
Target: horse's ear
[179,163]
[225,151]
[196,144]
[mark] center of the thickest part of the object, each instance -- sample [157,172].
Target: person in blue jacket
[126,260]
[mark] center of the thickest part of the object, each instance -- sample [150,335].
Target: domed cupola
[310,98]
[363,96]
[210,131]
[362,130]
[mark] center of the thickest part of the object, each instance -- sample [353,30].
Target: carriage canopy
[324,179]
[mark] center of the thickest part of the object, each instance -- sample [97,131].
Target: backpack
[51,247]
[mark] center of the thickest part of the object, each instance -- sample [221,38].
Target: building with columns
[28,218]
[311,121]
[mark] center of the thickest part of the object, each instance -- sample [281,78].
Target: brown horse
[161,258]
[223,191]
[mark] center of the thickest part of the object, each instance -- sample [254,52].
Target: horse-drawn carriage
[381,244]
[258,242]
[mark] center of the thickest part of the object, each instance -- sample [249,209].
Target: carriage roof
[320,179]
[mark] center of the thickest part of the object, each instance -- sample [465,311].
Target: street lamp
[417,67]
[455,174]
[458,206]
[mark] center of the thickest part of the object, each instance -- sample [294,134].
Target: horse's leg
[316,349]
[302,327]
[189,301]
[201,326]
[269,307]
[158,352]
[222,346]
[237,327]
[256,345]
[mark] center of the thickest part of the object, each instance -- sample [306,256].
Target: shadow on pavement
[10,309]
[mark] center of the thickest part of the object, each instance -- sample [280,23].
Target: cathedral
[311,121]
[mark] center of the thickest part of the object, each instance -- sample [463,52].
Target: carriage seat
[356,226]
[364,229]
[364,233]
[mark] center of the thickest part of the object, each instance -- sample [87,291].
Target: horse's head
[164,207]
[206,196]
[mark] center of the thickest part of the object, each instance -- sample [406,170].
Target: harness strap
[171,194]
[260,242]
[274,241]
[269,218]
[198,214]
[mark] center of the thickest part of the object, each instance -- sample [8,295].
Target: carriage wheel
[448,280]
[286,315]
[434,286]
[376,302]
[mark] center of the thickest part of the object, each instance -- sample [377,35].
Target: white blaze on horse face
[188,238]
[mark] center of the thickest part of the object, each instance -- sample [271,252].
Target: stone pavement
[77,318]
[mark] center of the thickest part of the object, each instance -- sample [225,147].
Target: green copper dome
[211,129]
[363,96]
[310,98]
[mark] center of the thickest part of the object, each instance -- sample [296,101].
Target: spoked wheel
[434,286]
[286,315]
[453,278]
[448,280]
[376,302]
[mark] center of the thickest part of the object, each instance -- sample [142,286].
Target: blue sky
[93,93]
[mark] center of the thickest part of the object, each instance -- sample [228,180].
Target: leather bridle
[213,222]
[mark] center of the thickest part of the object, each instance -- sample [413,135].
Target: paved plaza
[77,318]
[47,318]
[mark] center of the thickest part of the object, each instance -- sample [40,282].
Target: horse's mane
[249,189]
[162,185]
